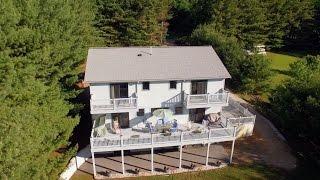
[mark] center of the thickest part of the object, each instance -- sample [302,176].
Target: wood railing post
[227,122]
[208,98]
[114,104]
[227,97]
[234,131]
[188,99]
[151,139]
[121,140]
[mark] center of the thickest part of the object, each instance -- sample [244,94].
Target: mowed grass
[259,172]
[280,64]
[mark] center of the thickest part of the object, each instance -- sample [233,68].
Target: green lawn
[231,172]
[280,64]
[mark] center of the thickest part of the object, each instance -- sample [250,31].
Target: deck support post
[232,148]
[180,157]
[152,160]
[122,161]
[151,153]
[208,149]
[208,152]
[93,165]
[233,142]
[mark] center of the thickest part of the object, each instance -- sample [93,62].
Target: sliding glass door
[199,87]
[119,90]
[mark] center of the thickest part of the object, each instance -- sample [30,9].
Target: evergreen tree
[272,22]
[53,35]
[285,18]
[42,45]
[250,73]
[132,22]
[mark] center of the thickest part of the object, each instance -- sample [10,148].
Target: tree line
[44,43]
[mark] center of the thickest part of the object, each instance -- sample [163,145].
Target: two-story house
[127,84]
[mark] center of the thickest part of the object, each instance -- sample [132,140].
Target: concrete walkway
[266,145]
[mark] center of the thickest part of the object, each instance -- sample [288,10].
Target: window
[140,112]
[145,85]
[173,84]
[178,110]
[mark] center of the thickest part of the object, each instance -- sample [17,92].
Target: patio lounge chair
[166,121]
[115,127]
[214,120]
[150,127]
[141,127]
[160,122]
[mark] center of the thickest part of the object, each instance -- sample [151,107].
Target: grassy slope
[280,64]
[231,172]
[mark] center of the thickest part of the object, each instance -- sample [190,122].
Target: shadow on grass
[278,71]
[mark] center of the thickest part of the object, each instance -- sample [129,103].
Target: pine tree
[132,22]
[42,45]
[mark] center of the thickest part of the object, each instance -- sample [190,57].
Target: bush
[298,100]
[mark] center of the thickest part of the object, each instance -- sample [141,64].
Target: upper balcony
[205,100]
[112,105]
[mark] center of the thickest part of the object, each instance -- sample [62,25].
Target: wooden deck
[162,140]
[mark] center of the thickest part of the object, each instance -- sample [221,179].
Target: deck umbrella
[163,113]
[152,120]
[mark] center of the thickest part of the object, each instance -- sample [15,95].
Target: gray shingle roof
[132,64]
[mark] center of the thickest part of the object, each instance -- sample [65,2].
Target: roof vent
[139,54]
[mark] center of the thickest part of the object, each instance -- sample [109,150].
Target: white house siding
[214,86]
[131,89]
[100,91]
[186,87]
[158,95]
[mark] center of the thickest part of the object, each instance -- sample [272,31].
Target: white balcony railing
[113,104]
[161,140]
[205,100]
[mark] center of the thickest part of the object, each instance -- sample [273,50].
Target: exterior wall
[100,91]
[186,87]
[158,95]
[131,89]
[214,86]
